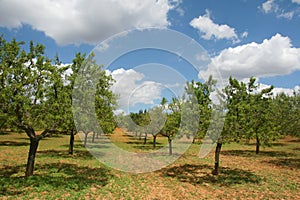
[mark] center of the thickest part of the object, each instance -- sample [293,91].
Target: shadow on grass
[251,153]
[200,174]
[286,162]
[13,143]
[4,133]
[82,154]
[148,147]
[52,177]
[294,140]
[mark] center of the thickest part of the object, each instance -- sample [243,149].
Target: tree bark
[257,144]
[154,141]
[216,170]
[194,140]
[170,146]
[34,143]
[85,138]
[71,146]
[145,138]
[93,139]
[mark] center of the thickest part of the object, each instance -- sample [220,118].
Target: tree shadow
[286,162]
[52,177]
[78,145]
[4,133]
[82,154]
[294,140]
[251,153]
[147,147]
[13,143]
[201,174]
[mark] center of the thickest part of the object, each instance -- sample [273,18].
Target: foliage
[200,93]
[249,113]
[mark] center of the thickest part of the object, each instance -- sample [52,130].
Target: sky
[241,38]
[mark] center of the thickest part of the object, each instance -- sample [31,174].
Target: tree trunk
[257,144]
[145,138]
[71,142]
[216,170]
[170,146]
[194,140]
[154,141]
[93,139]
[85,138]
[34,143]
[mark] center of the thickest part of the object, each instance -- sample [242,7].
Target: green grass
[273,174]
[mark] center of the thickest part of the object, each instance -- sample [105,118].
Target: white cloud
[212,30]
[133,90]
[272,57]
[270,6]
[296,1]
[286,15]
[244,34]
[80,21]
[278,90]
[180,11]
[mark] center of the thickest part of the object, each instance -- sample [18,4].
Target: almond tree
[158,118]
[172,124]
[201,92]
[249,113]
[93,101]
[28,79]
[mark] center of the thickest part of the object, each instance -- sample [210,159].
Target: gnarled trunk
[34,143]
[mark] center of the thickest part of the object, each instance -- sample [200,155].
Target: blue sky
[243,38]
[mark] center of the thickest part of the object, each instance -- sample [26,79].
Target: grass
[273,174]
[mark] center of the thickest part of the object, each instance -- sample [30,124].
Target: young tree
[171,127]
[158,118]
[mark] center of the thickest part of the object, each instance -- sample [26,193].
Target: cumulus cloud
[279,90]
[133,89]
[212,30]
[272,57]
[79,21]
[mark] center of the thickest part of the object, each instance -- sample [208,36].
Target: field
[273,174]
